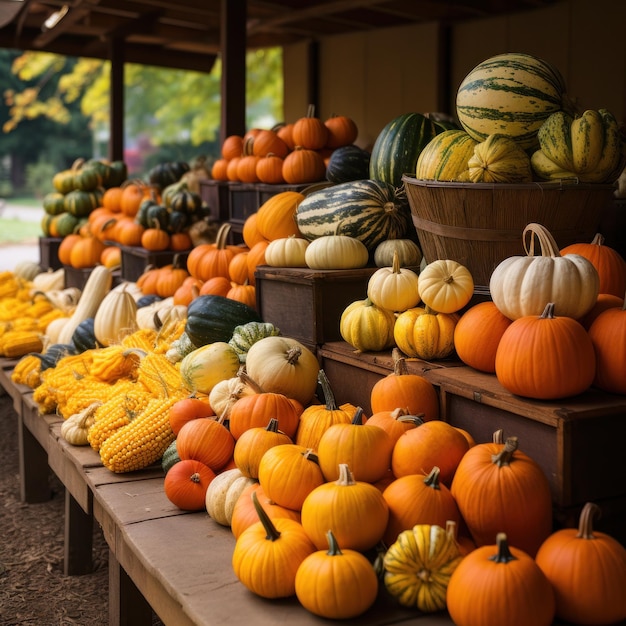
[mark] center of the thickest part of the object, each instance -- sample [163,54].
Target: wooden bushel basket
[481,224]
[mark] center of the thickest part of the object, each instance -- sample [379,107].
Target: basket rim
[567,183]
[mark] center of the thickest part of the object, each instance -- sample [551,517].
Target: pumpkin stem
[333,547]
[432,480]
[585,525]
[195,477]
[293,354]
[503,555]
[399,363]
[272,534]
[272,425]
[327,392]
[310,455]
[498,436]
[222,236]
[357,418]
[548,312]
[346,478]
[245,378]
[505,455]
[87,414]
[548,244]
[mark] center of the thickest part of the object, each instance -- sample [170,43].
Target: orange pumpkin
[609,263]
[309,132]
[232,147]
[276,216]
[418,499]
[485,588]
[268,142]
[186,483]
[412,392]
[187,409]
[395,422]
[572,558]
[477,335]
[535,351]
[430,444]
[605,301]
[244,513]
[206,440]
[498,488]
[342,131]
[303,166]
[608,338]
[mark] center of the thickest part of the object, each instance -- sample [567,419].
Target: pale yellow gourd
[226,392]
[96,288]
[336,252]
[223,492]
[115,318]
[286,252]
[394,288]
[47,281]
[75,428]
[206,366]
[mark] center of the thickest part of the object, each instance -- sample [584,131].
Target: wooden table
[160,557]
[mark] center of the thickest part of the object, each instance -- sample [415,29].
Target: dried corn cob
[16,343]
[142,442]
[125,405]
[159,376]
[142,339]
[27,371]
[87,391]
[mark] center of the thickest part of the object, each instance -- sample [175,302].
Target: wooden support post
[116,131]
[127,606]
[78,539]
[33,467]
[233,49]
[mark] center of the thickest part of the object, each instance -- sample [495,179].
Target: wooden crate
[215,194]
[352,374]
[135,260]
[307,304]
[49,253]
[577,441]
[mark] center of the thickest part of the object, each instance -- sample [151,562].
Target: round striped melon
[368,210]
[512,94]
[446,157]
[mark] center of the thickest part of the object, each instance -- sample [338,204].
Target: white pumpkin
[115,318]
[223,493]
[523,285]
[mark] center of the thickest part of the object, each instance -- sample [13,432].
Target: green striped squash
[446,157]
[368,210]
[512,94]
[398,146]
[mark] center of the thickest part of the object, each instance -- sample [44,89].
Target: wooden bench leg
[127,606]
[33,467]
[78,540]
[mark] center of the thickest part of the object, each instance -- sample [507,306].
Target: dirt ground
[33,588]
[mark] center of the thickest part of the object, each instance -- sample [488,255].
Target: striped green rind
[398,146]
[368,210]
[445,157]
[512,94]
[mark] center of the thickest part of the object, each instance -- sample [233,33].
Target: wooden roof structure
[191,34]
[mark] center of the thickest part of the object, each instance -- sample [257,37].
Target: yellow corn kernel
[160,376]
[142,442]
[18,343]
[25,324]
[89,390]
[142,339]
[114,362]
[44,320]
[27,371]
[117,412]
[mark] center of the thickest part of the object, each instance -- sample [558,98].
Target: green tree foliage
[168,105]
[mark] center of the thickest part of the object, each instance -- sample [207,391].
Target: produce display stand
[179,563]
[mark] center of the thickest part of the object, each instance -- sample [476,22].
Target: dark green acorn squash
[214,318]
[54,354]
[348,163]
[84,337]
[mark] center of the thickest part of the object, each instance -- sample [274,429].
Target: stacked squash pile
[518,124]
[295,153]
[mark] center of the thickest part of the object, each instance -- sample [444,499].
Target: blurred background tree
[55,106]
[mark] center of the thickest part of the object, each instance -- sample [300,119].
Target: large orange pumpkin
[498,488]
[276,216]
[587,570]
[477,335]
[545,357]
[402,389]
[609,263]
[608,337]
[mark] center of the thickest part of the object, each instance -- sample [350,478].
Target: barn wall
[373,77]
